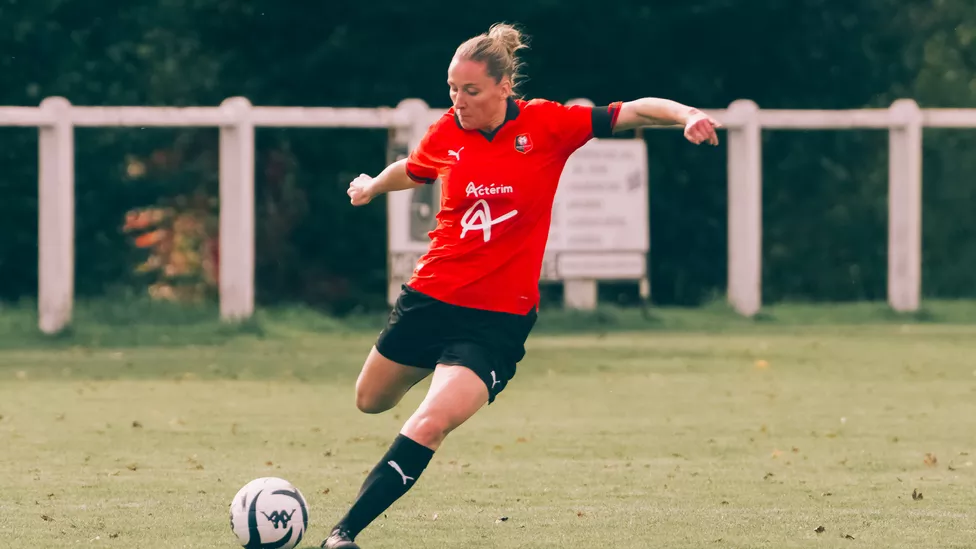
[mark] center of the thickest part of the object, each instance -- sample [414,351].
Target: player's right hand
[359,191]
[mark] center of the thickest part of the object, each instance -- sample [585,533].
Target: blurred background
[146,199]
[823,418]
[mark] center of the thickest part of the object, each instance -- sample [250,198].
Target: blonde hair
[497,50]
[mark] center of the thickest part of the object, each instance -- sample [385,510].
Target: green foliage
[141,322]
[825,193]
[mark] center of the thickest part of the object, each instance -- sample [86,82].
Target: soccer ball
[269,513]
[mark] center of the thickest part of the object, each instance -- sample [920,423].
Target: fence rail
[236,119]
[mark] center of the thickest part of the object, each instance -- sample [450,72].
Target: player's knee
[429,429]
[371,406]
[369,402]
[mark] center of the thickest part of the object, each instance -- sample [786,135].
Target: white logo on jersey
[494,380]
[485,190]
[478,217]
[455,154]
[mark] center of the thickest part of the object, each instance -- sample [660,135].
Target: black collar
[511,113]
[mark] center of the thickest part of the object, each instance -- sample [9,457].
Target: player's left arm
[653,111]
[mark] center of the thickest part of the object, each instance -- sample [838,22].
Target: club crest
[523,143]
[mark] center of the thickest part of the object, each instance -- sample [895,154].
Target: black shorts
[424,332]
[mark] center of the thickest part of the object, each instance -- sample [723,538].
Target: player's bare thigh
[383,382]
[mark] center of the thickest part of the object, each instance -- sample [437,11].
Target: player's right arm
[394,178]
[419,168]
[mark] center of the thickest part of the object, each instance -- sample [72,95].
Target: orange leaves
[150,239]
[182,248]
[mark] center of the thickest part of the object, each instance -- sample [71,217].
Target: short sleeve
[422,164]
[577,124]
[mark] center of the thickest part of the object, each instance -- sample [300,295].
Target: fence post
[580,293]
[905,206]
[745,207]
[236,245]
[56,217]
[402,141]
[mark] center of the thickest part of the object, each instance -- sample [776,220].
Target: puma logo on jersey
[455,154]
[478,218]
[396,467]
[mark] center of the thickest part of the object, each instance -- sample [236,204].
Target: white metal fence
[236,118]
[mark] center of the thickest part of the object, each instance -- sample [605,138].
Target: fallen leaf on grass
[768,476]
[580,513]
[136,425]
[132,467]
[326,491]
[501,520]
[848,536]
[916,495]
[46,518]
[820,530]
[930,459]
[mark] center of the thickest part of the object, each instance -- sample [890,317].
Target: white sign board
[599,228]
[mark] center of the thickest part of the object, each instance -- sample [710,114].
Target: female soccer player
[472,300]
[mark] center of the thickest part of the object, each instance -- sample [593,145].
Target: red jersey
[497,191]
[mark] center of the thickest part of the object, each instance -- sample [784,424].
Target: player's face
[478,100]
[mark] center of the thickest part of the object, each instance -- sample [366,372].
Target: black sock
[391,478]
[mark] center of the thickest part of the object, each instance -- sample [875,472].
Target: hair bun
[508,36]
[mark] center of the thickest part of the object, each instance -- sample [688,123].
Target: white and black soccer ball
[269,513]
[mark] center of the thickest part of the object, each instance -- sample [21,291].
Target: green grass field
[690,430]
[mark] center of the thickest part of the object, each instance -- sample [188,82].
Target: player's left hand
[701,129]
